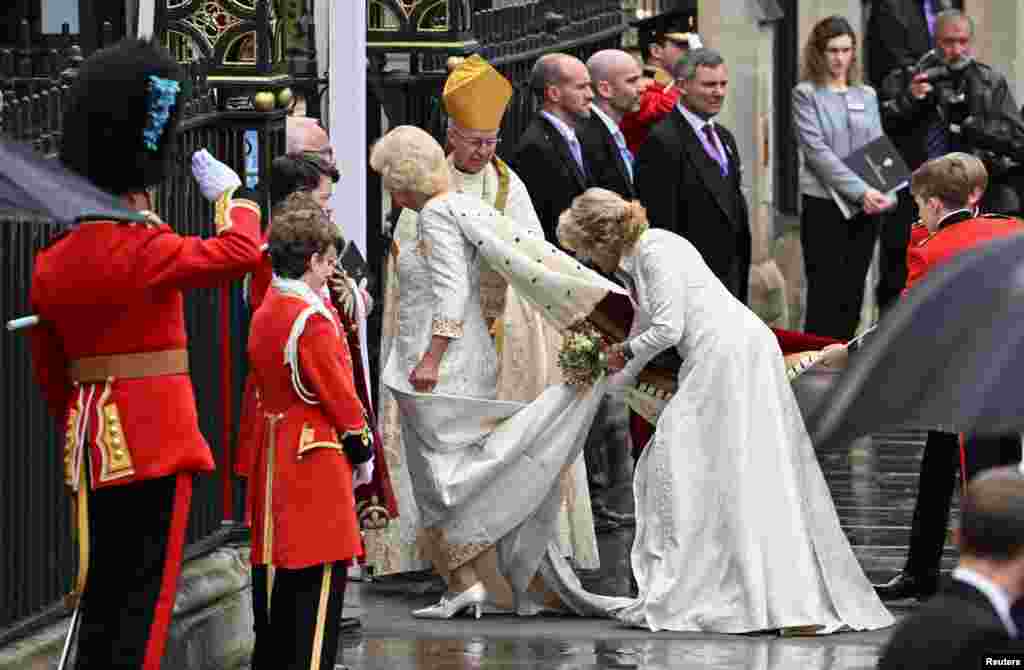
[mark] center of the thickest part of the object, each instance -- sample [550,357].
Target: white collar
[298,289]
[697,122]
[563,128]
[996,595]
[609,123]
[972,212]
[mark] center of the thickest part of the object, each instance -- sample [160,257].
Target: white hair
[409,159]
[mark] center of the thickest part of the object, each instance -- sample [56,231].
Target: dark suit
[897,34]
[604,161]
[684,191]
[553,178]
[954,630]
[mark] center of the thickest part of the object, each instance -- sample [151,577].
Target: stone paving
[873,484]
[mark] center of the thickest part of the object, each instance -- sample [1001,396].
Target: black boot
[909,585]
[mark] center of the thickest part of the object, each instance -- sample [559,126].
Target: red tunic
[110,288]
[954,237]
[655,104]
[379,493]
[304,483]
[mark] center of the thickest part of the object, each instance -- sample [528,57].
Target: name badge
[855,106]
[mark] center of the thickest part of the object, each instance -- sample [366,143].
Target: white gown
[486,472]
[736,529]
[526,366]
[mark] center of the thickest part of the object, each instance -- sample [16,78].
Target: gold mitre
[476,95]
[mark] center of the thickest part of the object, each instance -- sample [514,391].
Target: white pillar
[347,93]
[732,28]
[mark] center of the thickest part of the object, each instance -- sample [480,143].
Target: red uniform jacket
[301,500]
[110,288]
[959,232]
[655,104]
[371,499]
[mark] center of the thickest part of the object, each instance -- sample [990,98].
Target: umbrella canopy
[34,185]
[950,355]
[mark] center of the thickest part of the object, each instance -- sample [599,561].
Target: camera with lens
[947,83]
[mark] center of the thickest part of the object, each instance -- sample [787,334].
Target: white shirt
[620,139]
[996,595]
[566,131]
[698,124]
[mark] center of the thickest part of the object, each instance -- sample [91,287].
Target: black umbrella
[36,186]
[949,356]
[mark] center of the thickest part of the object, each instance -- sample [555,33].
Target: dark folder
[880,165]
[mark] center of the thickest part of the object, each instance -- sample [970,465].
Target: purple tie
[709,132]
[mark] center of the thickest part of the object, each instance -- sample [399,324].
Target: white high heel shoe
[452,603]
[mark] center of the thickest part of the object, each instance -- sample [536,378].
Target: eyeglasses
[479,142]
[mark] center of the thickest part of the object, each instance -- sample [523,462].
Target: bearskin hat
[120,124]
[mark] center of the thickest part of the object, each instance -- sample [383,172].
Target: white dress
[526,366]
[486,472]
[736,529]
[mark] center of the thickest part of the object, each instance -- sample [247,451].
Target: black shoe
[908,585]
[627,520]
[604,524]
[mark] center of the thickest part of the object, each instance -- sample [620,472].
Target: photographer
[950,102]
[946,102]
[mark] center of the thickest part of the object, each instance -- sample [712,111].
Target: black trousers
[837,253]
[137,534]
[939,466]
[893,241]
[304,617]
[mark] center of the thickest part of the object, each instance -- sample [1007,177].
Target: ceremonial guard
[316,449]
[110,351]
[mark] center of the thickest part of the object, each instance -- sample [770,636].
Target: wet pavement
[873,484]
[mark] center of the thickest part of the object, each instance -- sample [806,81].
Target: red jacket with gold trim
[109,288]
[655,104]
[301,500]
[956,234]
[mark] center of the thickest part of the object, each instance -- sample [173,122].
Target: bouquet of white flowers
[583,359]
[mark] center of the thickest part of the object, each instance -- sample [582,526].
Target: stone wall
[735,29]
[211,629]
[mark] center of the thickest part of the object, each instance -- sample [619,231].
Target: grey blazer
[829,127]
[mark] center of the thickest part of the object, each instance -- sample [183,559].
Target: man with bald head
[969,624]
[304,134]
[549,158]
[615,79]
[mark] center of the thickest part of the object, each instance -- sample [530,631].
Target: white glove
[362,474]
[213,176]
[367,298]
